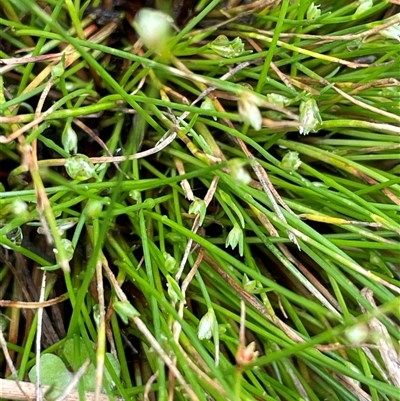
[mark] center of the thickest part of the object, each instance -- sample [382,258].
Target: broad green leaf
[89,378]
[53,373]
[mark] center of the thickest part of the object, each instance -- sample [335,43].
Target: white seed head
[154,28]
[357,334]
[206,326]
[309,116]
[249,111]
[19,207]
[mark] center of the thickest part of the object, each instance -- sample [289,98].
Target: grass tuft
[205,212]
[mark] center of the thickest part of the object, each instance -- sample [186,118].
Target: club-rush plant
[200,200]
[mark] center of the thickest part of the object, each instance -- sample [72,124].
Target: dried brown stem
[9,390]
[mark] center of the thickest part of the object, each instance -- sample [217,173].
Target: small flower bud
[364,5]
[249,112]
[20,208]
[208,105]
[374,259]
[290,162]
[227,48]
[134,194]
[313,12]
[223,328]
[154,28]
[248,285]
[125,310]
[80,167]
[277,99]
[59,68]
[246,355]
[234,238]
[170,263]
[198,207]
[251,286]
[206,326]
[173,290]
[238,172]
[357,334]
[68,248]
[16,208]
[93,208]
[309,116]
[69,140]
